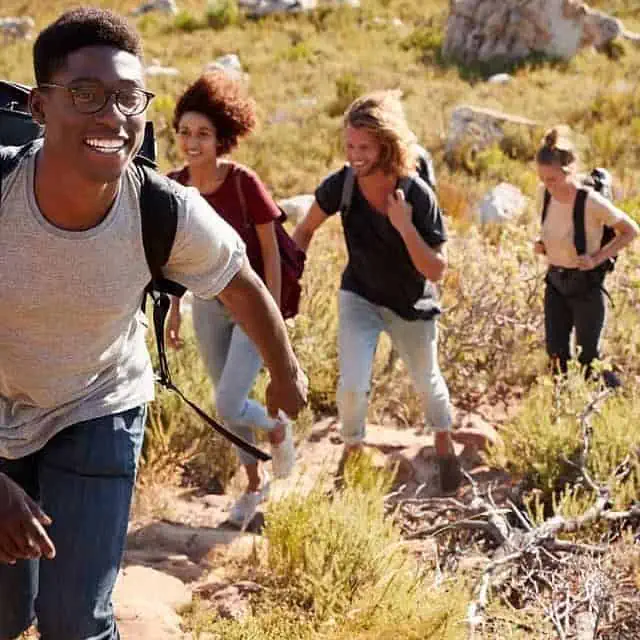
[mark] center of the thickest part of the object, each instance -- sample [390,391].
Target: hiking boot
[450,473]
[283,454]
[245,506]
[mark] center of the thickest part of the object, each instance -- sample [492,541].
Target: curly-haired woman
[210,117]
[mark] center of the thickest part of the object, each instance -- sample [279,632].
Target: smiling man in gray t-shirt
[75,374]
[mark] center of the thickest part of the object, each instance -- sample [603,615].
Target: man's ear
[36,106]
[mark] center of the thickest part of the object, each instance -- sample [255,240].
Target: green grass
[336,568]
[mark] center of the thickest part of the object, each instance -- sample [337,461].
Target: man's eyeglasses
[92,98]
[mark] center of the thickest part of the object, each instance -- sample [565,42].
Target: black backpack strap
[347,191]
[161,304]
[10,158]
[405,184]
[545,204]
[579,235]
[159,218]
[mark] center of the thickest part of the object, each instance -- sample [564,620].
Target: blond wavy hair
[382,114]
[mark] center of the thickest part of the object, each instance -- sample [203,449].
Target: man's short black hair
[78,28]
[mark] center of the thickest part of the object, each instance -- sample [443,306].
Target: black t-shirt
[380,268]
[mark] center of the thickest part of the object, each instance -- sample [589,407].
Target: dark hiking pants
[573,299]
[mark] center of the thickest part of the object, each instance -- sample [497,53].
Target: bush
[543,443]
[348,88]
[222,13]
[336,568]
[186,21]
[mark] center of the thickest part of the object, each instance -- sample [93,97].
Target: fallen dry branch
[532,560]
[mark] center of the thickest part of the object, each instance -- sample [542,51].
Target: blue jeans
[360,325]
[83,478]
[233,363]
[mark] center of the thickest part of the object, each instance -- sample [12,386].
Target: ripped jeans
[361,323]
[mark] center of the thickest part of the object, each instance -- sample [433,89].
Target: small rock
[230,64]
[297,207]
[232,602]
[16,28]
[165,6]
[500,78]
[146,601]
[156,69]
[504,202]
[261,8]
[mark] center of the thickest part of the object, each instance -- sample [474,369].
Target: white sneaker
[283,454]
[244,508]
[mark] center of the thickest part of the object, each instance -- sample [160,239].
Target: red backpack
[292,259]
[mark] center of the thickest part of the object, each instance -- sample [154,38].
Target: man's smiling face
[97,145]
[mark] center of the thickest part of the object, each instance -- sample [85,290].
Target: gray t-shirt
[72,344]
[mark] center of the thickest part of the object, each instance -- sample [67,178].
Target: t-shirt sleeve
[329,193]
[427,215]
[604,210]
[260,205]
[207,252]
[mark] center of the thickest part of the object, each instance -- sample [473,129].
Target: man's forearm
[251,305]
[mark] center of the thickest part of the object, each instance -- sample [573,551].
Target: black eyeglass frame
[148,96]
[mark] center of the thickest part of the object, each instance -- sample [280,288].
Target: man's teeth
[105,146]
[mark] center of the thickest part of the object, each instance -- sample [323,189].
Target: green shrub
[543,443]
[187,22]
[348,88]
[222,13]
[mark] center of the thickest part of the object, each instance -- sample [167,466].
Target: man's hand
[538,248]
[288,394]
[22,534]
[399,210]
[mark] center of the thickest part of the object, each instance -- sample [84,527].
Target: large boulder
[484,30]
[475,128]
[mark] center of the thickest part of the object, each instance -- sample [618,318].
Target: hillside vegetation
[570,453]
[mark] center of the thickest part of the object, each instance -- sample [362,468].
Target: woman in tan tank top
[574,295]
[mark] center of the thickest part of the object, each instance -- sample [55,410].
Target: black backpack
[159,221]
[600,180]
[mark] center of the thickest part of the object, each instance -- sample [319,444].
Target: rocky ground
[180,544]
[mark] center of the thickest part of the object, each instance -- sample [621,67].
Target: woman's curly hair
[382,113]
[223,100]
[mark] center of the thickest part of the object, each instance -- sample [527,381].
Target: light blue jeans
[360,325]
[233,363]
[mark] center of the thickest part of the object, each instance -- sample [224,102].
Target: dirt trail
[185,549]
